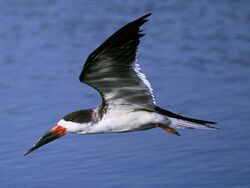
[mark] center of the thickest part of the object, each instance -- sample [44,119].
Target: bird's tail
[178,121]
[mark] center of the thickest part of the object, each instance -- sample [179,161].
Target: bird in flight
[127,100]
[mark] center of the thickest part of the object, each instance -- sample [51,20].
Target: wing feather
[112,71]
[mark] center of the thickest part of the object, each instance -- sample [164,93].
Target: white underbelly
[123,121]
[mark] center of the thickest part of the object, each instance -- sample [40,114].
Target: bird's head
[71,123]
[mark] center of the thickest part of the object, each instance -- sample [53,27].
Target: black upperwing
[112,71]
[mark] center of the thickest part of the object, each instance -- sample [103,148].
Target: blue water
[196,55]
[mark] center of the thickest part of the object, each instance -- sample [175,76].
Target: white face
[72,127]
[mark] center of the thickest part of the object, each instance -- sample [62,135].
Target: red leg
[169,130]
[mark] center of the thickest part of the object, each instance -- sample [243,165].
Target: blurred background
[196,56]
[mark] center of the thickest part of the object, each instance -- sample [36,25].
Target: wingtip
[209,122]
[212,122]
[143,18]
[147,15]
[214,128]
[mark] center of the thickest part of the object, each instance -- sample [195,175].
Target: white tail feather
[178,123]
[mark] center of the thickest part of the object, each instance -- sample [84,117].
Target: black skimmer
[127,99]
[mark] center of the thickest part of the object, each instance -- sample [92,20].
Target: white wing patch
[143,77]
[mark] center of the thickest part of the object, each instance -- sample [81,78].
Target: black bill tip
[29,151]
[48,137]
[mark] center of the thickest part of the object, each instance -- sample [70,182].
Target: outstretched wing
[112,71]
